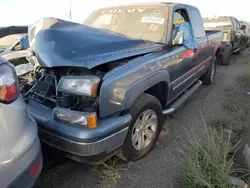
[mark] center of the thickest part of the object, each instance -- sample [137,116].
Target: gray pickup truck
[102,88]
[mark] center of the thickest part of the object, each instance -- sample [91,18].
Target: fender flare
[143,85]
[216,49]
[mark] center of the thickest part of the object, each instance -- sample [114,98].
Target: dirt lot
[161,167]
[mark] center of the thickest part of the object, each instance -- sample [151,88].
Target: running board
[182,99]
[236,50]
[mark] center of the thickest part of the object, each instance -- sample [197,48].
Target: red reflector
[35,168]
[188,54]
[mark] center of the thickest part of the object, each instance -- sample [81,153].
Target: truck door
[204,56]
[182,70]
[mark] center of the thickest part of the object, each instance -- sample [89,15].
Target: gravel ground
[160,168]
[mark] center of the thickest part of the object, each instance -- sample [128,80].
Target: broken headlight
[79,85]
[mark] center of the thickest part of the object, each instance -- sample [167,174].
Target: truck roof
[159,4]
[218,17]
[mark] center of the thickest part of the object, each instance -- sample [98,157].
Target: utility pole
[70,5]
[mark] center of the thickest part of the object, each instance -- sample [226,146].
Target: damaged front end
[70,60]
[71,92]
[64,103]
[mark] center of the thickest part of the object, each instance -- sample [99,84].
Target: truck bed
[214,35]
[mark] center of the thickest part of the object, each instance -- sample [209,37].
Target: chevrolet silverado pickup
[102,88]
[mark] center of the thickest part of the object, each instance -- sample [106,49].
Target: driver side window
[179,17]
[182,28]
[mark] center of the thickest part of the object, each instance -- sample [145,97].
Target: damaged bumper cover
[77,140]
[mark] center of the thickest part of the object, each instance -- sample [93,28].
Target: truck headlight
[79,85]
[84,119]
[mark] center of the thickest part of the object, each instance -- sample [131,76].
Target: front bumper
[77,140]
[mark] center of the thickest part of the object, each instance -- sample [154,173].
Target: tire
[208,77]
[226,60]
[226,56]
[144,104]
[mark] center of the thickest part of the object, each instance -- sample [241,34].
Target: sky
[26,12]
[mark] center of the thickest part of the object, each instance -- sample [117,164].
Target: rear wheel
[146,124]
[225,60]
[209,77]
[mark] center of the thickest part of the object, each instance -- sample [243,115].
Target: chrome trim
[168,111]
[200,69]
[182,99]
[183,76]
[184,81]
[205,61]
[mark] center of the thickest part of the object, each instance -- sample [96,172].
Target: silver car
[20,151]
[14,48]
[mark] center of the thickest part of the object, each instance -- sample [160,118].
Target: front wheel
[144,130]
[208,77]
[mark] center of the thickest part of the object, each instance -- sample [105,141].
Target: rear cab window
[236,24]
[146,23]
[218,23]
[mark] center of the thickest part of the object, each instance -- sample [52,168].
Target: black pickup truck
[103,87]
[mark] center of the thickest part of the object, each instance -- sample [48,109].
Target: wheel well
[159,91]
[217,54]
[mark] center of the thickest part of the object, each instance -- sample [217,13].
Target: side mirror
[179,39]
[243,27]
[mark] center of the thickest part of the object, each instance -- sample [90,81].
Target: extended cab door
[183,61]
[204,56]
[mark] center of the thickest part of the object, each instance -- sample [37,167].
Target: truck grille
[44,91]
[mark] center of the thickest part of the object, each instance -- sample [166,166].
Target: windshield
[138,23]
[8,41]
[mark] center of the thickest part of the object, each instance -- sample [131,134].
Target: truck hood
[60,43]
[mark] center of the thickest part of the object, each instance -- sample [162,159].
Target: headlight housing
[84,119]
[79,85]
